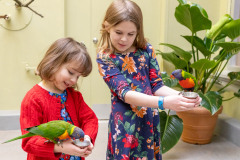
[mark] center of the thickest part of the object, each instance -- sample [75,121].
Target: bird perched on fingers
[186,80]
[55,131]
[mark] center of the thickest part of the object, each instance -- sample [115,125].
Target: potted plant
[205,67]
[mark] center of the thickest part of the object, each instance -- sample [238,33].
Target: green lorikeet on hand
[55,131]
[186,80]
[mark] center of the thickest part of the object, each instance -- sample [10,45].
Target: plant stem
[208,74]
[194,58]
[229,83]
[228,99]
[210,49]
[197,49]
[218,76]
[212,78]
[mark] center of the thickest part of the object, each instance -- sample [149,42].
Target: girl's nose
[124,38]
[74,80]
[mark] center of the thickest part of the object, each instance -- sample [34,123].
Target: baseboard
[228,128]
[9,119]
[102,111]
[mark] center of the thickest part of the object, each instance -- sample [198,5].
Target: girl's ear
[106,25]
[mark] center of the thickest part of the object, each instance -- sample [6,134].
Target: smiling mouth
[122,45]
[66,84]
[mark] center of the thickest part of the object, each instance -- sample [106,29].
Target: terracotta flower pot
[198,125]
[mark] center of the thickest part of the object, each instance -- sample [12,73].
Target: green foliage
[191,16]
[209,68]
[169,81]
[211,101]
[171,130]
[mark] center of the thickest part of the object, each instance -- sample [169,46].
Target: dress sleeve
[112,76]
[154,70]
[32,115]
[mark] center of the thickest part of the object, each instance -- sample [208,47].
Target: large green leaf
[216,29]
[199,44]
[171,57]
[164,74]
[180,52]
[208,42]
[232,29]
[171,130]
[211,100]
[203,11]
[167,81]
[233,47]
[203,64]
[227,56]
[234,75]
[237,94]
[192,18]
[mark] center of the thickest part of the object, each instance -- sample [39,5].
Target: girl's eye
[118,33]
[130,34]
[70,72]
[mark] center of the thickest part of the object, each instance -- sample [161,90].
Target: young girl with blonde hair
[129,67]
[55,98]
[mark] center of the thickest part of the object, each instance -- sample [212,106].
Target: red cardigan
[38,107]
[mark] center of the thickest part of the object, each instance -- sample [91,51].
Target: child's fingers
[188,100]
[187,104]
[88,152]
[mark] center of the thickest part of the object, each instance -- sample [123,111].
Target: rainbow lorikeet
[55,131]
[186,80]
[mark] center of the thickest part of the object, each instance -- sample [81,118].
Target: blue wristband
[160,103]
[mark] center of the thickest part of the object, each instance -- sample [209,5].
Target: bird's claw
[60,142]
[181,93]
[47,141]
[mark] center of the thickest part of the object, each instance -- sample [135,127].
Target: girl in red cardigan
[55,99]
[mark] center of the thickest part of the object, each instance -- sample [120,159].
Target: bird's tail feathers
[20,137]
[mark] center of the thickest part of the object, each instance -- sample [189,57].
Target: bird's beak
[81,139]
[172,77]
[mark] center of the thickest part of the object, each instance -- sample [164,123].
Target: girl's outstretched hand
[88,151]
[180,103]
[69,148]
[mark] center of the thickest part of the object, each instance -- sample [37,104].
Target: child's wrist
[160,103]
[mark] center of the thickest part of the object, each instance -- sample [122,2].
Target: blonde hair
[63,51]
[117,12]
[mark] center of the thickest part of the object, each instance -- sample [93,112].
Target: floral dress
[64,116]
[133,131]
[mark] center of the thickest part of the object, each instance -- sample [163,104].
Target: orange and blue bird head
[77,134]
[186,80]
[177,74]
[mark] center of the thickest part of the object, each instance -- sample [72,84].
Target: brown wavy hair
[117,12]
[63,51]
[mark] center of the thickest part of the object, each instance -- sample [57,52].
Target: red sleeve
[87,118]
[32,115]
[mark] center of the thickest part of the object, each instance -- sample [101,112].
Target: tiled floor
[218,149]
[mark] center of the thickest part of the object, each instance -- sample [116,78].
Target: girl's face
[65,77]
[122,36]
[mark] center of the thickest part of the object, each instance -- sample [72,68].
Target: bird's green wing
[53,129]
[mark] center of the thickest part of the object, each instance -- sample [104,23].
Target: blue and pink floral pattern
[133,131]
[64,116]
